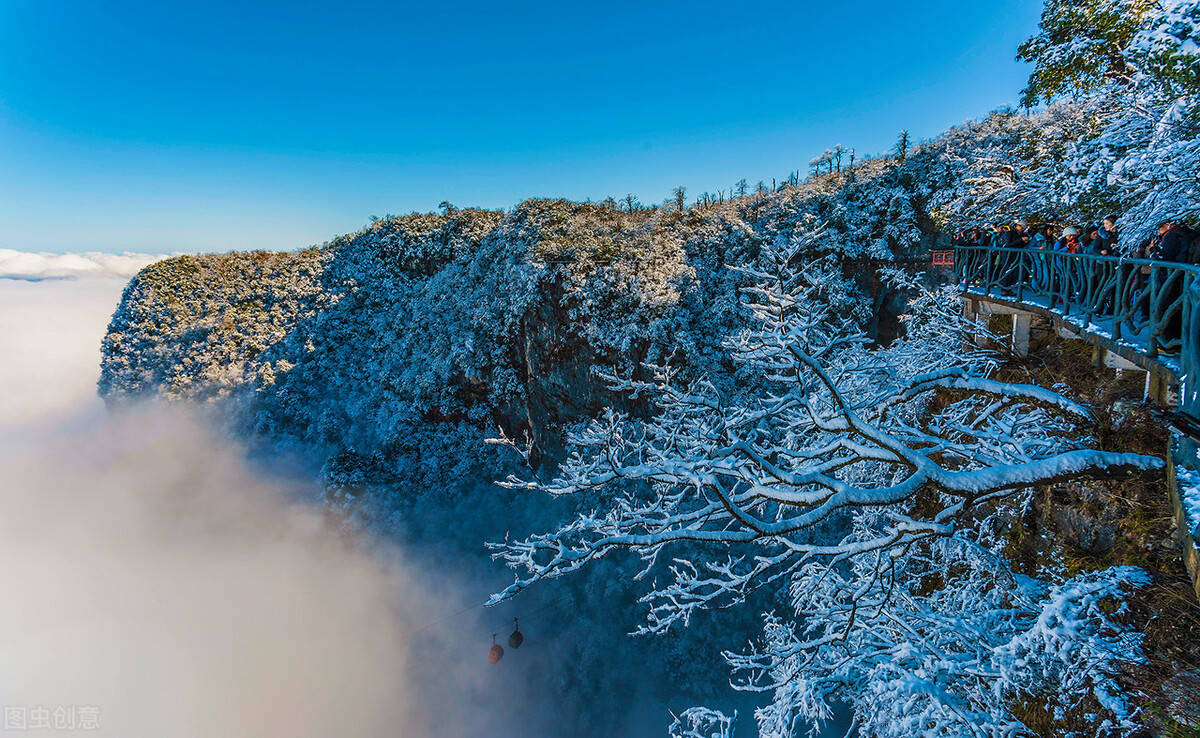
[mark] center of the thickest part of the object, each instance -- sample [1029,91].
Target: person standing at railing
[1171,246]
[1019,235]
[1104,243]
[995,238]
[1069,241]
[1016,237]
[1070,244]
[1094,272]
[1140,276]
[1040,238]
[970,237]
[1107,236]
[1042,241]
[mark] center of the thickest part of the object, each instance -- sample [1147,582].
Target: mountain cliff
[469,319]
[388,356]
[459,322]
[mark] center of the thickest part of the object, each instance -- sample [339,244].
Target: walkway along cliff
[1138,315]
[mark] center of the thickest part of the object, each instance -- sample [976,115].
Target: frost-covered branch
[862,480]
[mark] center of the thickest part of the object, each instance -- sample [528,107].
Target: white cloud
[156,573]
[50,335]
[30,265]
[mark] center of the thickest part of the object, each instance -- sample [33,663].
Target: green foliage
[1080,46]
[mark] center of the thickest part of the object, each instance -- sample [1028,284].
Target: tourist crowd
[1174,242]
[1062,284]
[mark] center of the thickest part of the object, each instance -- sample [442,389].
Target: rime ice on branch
[867,485]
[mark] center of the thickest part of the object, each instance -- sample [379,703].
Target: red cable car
[496,652]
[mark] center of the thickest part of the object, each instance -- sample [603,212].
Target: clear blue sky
[167,126]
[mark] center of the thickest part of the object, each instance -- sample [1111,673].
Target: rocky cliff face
[475,318]
[388,356]
[400,347]
[418,331]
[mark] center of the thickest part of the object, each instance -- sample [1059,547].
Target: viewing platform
[1138,314]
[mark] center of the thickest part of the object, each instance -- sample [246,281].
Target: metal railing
[1149,305]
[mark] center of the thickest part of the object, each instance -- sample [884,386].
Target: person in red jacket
[1069,241]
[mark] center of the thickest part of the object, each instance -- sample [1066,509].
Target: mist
[159,581]
[50,336]
[165,579]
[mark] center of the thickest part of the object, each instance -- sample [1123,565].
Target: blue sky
[164,126]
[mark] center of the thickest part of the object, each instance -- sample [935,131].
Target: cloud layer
[165,583]
[50,347]
[155,573]
[29,265]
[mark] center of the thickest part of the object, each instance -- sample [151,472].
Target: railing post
[1188,397]
[1119,299]
[1021,270]
[991,271]
[1068,273]
[1093,274]
[1153,297]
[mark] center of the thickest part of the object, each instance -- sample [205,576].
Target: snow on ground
[1188,483]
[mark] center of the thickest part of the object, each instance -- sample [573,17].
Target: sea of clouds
[159,582]
[165,581]
[36,266]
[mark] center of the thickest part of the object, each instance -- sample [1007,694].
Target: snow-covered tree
[701,722]
[902,144]
[867,486]
[1079,46]
[1132,68]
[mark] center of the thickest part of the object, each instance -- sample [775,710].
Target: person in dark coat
[1016,237]
[999,237]
[1103,242]
[1107,234]
[1019,235]
[1171,245]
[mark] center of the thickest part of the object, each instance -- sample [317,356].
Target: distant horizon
[150,129]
